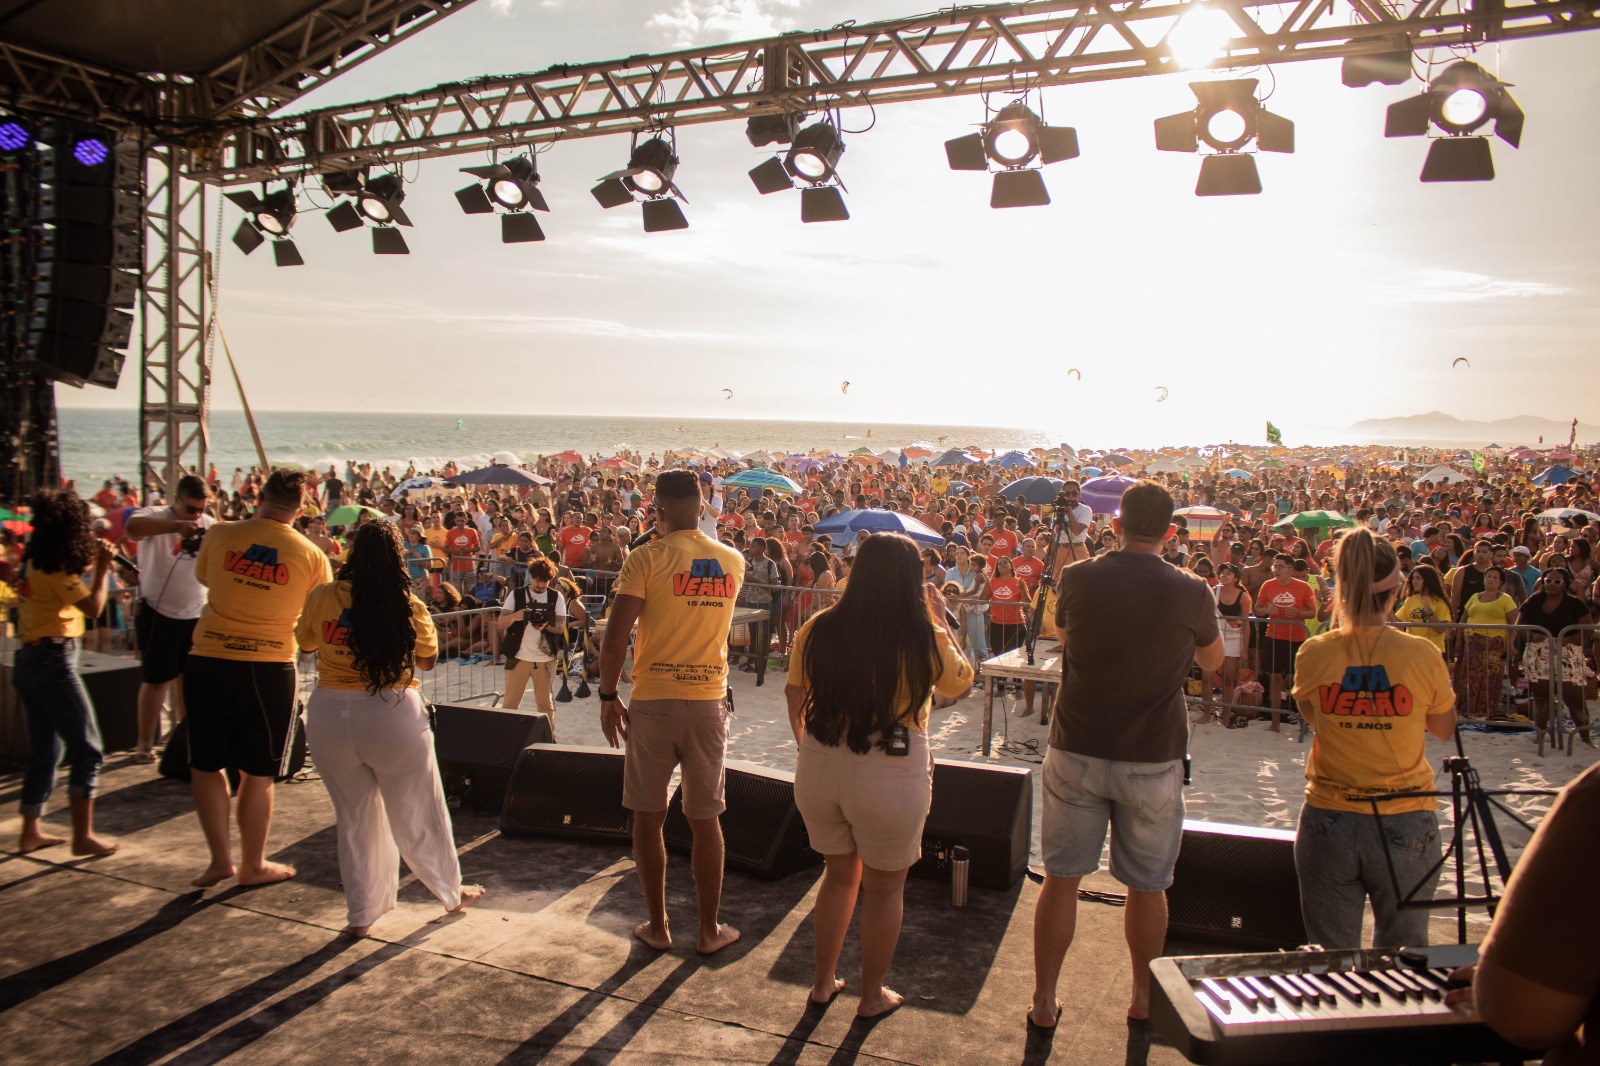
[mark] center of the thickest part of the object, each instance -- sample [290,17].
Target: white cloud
[1451,286]
[690,22]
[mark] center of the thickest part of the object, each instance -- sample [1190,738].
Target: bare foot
[34,841]
[1054,1015]
[214,875]
[827,994]
[94,847]
[660,939]
[144,755]
[885,1001]
[1139,1013]
[469,894]
[357,931]
[269,874]
[725,935]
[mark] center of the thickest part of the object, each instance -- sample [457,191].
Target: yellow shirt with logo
[47,604]
[257,575]
[1369,692]
[1423,609]
[324,628]
[954,679]
[688,583]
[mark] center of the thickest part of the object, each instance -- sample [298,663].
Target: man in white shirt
[170,600]
[710,505]
[1072,542]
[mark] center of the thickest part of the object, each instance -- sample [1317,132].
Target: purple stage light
[91,151]
[13,137]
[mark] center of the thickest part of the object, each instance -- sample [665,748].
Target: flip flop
[1034,1026]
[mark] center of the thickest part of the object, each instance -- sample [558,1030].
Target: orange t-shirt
[1005,543]
[460,544]
[1028,568]
[574,540]
[1008,595]
[1293,594]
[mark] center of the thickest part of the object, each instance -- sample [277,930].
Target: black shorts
[1003,636]
[163,643]
[1277,656]
[239,715]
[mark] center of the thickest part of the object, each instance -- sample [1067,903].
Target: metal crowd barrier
[1561,726]
[466,670]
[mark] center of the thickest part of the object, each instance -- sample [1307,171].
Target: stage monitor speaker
[1235,886]
[986,809]
[477,748]
[567,791]
[113,686]
[761,830]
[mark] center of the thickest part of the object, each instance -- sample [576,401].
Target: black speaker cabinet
[113,686]
[1235,886]
[986,809]
[477,748]
[569,791]
[761,829]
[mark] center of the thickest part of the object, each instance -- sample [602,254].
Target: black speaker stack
[1235,887]
[567,791]
[478,749]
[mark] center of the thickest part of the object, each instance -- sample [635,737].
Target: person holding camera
[534,621]
[170,601]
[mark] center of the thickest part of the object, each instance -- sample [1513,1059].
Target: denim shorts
[1142,802]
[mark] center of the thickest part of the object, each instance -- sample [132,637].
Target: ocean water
[98,444]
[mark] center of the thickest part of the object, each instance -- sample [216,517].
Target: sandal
[145,755]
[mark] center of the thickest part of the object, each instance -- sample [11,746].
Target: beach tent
[1444,475]
[1104,494]
[843,526]
[1555,475]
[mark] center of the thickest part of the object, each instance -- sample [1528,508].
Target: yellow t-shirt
[434,538]
[955,675]
[1369,692]
[325,629]
[1495,612]
[258,574]
[1437,610]
[48,604]
[688,583]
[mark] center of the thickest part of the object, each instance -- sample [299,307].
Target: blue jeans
[59,714]
[1339,856]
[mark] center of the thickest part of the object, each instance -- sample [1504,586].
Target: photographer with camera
[170,600]
[1072,520]
[534,620]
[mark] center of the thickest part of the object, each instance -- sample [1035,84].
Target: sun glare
[1201,35]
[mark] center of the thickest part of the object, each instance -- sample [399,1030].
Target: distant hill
[1437,426]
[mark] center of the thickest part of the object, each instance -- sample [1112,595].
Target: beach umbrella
[617,462]
[914,452]
[1443,475]
[1104,494]
[1237,474]
[863,450]
[569,456]
[1011,460]
[1035,490]
[1091,471]
[1203,520]
[759,457]
[1555,475]
[1269,463]
[1565,515]
[847,524]
[347,515]
[759,478]
[1193,462]
[500,475]
[1118,459]
[17,526]
[1164,466]
[953,457]
[419,485]
[889,455]
[957,486]
[1315,520]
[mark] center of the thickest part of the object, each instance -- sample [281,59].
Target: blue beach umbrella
[846,524]
[1555,475]
[1035,490]
[954,457]
[1237,474]
[760,477]
[1104,494]
[1091,471]
[1011,460]
[499,475]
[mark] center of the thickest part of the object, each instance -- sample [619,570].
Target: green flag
[1477,461]
[1274,434]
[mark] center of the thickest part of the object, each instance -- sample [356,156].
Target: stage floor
[118,960]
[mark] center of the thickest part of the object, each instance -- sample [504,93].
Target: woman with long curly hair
[861,685]
[368,725]
[52,602]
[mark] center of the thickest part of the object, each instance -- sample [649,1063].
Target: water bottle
[958,876]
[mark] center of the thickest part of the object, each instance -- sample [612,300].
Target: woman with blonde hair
[1373,694]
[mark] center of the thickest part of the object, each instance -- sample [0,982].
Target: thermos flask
[958,876]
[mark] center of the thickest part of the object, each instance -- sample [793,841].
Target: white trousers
[375,755]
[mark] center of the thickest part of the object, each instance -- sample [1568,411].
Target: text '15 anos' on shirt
[257,574]
[689,584]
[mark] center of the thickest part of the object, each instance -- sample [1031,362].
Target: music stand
[1470,803]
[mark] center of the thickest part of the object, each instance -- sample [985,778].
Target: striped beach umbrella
[758,478]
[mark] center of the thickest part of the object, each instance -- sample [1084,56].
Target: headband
[1384,584]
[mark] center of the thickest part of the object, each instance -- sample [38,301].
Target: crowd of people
[368,575]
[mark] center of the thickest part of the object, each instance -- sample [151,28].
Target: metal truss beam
[955,52]
[313,49]
[175,372]
[38,81]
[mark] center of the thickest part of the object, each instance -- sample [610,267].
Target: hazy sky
[1343,292]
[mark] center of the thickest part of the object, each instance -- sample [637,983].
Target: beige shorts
[666,734]
[873,804]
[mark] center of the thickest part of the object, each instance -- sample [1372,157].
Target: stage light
[1018,142]
[1201,35]
[648,176]
[1460,102]
[763,130]
[1227,118]
[512,185]
[812,166]
[91,151]
[1391,67]
[375,200]
[380,200]
[270,216]
[14,137]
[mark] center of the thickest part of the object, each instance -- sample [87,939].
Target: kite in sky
[1076,373]
[1161,393]
[1459,360]
[727,394]
[845,388]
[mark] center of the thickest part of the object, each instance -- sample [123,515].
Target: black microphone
[642,539]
